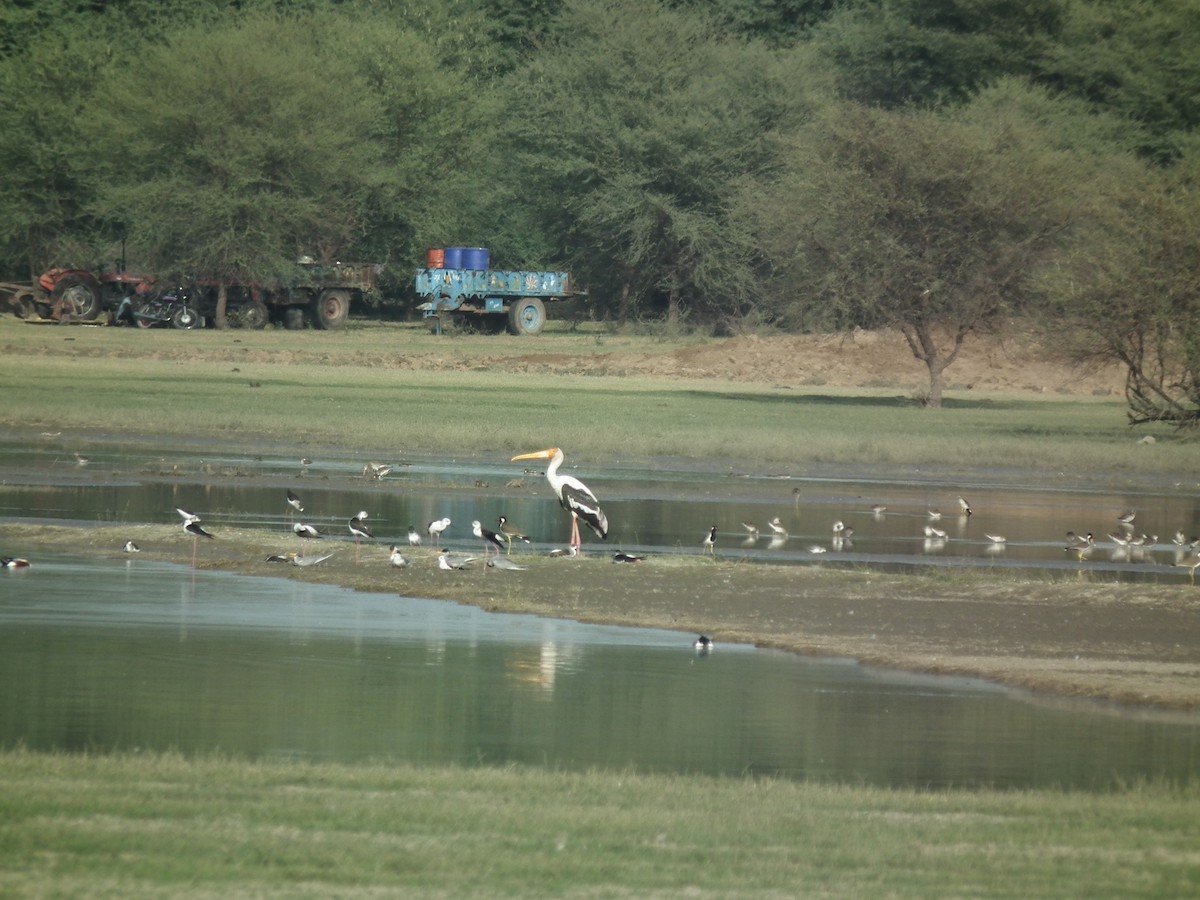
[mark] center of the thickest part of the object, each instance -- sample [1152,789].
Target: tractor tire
[526,316]
[254,315]
[331,309]
[78,296]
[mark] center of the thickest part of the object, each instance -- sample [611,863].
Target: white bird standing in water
[573,495]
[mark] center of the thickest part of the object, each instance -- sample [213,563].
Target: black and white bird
[710,541]
[703,644]
[620,557]
[490,538]
[777,528]
[294,501]
[414,537]
[964,508]
[751,531]
[360,530]
[573,495]
[304,530]
[397,558]
[563,551]
[13,562]
[934,534]
[510,532]
[194,528]
[131,547]
[436,528]
[188,517]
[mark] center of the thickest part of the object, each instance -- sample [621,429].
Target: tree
[635,124]
[916,221]
[1130,291]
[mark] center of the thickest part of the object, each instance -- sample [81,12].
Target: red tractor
[75,294]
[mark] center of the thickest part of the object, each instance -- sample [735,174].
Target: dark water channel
[142,654]
[146,655]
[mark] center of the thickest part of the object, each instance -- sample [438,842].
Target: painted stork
[573,495]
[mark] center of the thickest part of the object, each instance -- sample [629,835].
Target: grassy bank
[163,826]
[396,388]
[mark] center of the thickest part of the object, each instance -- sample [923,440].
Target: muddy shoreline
[1124,643]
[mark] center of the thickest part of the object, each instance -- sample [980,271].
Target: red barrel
[435,259]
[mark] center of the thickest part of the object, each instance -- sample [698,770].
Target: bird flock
[1124,542]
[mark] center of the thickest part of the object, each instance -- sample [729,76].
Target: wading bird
[778,529]
[964,507]
[703,644]
[294,501]
[131,547]
[13,562]
[710,541]
[510,532]
[620,557]
[490,538]
[397,558]
[450,563]
[436,527]
[573,495]
[196,531]
[358,528]
[304,530]
[414,537]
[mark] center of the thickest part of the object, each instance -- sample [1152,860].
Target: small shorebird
[374,471]
[510,532]
[620,557]
[1190,562]
[414,537]
[397,558]
[305,531]
[358,528]
[933,514]
[1080,546]
[817,549]
[131,547]
[298,560]
[996,538]
[703,644]
[878,510]
[964,507]
[709,543]
[81,460]
[777,528]
[452,563]
[563,551]
[436,527]
[188,517]
[1127,517]
[13,562]
[294,501]
[305,462]
[196,531]
[490,538]
[935,534]
[751,531]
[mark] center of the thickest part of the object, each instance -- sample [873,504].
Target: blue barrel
[453,258]
[474,258]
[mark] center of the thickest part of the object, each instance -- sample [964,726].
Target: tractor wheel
[332,309]
[526,316]
[253,315]
[79,296]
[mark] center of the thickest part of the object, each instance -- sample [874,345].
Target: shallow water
[137,654]
[651,509]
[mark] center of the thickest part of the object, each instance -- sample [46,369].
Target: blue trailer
[490,298]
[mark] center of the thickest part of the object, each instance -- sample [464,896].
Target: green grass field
[162,826]
[165,826]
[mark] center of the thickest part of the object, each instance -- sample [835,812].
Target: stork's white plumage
[573,495]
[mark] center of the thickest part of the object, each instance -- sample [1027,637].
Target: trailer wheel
[79,296]
[253,315]
[185,318]
[332,309]
[526,316]
[293,318]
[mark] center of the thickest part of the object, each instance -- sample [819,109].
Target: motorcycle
[170,308]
